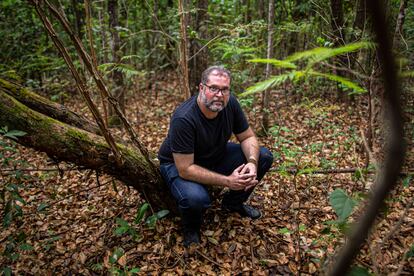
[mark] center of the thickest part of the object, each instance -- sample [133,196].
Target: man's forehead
[218,74]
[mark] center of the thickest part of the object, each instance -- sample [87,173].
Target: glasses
[216,90]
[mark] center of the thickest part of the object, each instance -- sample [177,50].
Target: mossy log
[47,107]
[64,142]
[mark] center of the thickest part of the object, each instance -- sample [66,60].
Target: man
[196,153]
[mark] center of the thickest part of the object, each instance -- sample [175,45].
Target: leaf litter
[69,221]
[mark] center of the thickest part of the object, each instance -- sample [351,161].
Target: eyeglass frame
[218,90]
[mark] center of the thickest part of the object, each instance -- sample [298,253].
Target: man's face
[214,100]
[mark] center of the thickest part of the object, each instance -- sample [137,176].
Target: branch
[102,87]
[79,82]
[395,150]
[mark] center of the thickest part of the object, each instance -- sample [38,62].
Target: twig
[209,259]
[369,151]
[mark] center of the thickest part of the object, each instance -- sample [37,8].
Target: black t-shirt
[191,132]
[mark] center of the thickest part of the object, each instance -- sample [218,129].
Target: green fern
[275,62]
[272,82]
[323,53]
[345,82]
[312,57]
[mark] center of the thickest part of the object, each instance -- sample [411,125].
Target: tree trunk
[266,93]
[118,79]
[46,107]
[337,24]
[396,41]
[183,10]
[199,61]
[64,142]
[79,17]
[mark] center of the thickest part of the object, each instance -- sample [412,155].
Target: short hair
[220,72]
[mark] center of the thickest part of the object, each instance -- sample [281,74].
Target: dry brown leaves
[75,234]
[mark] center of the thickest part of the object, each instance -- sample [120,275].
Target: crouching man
[197,153]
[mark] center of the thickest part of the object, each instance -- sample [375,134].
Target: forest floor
[73,220]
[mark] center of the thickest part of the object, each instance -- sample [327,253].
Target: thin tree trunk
[266,93]
[199,56]
[398,34]
[117,76]
[184,49]
[337,24]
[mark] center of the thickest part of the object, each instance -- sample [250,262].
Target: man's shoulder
[185,111]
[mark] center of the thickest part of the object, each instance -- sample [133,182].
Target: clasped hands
[243,177]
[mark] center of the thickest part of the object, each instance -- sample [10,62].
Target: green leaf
[342,204]
[135,270]
[162,214]
[406,181]
[284,231]
[122,222]
[13,134]
[275,62]
[272,82]
[151,221]
[7,271]
[345,82]
[119,231]
[141,213]
[358,271]
[118,253]
[410,253]
[42,207]
[323,53]
[26,247]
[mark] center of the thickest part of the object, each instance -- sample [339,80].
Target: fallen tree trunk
[47,107]
[64,142]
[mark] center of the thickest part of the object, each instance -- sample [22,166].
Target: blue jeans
[193,198]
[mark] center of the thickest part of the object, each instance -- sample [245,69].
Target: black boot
[191,222]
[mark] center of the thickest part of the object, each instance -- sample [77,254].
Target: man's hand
[250,169]
[242,181]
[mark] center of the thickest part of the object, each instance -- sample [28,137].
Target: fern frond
[129,57]
[275,62]
[272,82]
[104,67]
[323,53]
[126,69]
[345,82]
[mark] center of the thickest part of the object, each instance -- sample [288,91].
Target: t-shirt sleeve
[240,122]
[182,136]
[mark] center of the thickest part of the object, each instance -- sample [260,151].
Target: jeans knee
[266,158]
[195,202]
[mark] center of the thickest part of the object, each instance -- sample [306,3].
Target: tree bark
[46,107]
[64,142]
[117,76]
[182,8]
[266,93]
[337,24]
[199,61]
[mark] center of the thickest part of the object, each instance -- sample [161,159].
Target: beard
[212,105]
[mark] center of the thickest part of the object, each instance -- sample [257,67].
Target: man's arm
[250,148]
[249,145]
[190,171]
